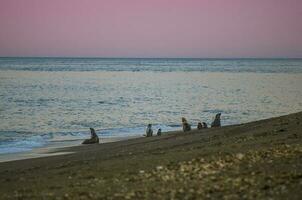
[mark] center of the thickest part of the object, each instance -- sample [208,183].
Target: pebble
[239,156]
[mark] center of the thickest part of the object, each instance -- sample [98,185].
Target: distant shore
[256,160]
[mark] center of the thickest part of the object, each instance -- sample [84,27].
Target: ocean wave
[14,145]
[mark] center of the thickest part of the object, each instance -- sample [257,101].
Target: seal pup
[199,126]
[216,122]
[94,138]
[159,132]
[185,125]
[149,131]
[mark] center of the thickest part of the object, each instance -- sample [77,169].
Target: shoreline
[256,160]
[54,149]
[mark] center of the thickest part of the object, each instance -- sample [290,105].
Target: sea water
[49,100]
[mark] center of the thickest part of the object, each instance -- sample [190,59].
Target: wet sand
[257,160]
[54,148]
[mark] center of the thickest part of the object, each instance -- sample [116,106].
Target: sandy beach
[257,160]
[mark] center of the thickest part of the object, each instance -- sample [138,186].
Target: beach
[256,160]
[175,100]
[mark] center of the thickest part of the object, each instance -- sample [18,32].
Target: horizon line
[202,58]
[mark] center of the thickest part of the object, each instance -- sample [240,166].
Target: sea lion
[199,126]
[159,132]
[216,122]
[149,131]
[185,125]
[94,138]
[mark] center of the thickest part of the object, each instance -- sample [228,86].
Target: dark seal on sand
[149,131]
[199,126]
[94,138]
[216,122]
[159,132]
[185,125]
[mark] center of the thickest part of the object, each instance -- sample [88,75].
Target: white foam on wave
[22,144]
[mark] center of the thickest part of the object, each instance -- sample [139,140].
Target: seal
[199,126]
[185,125]
[159,132]
[216,122]
[149,131]
[94,138]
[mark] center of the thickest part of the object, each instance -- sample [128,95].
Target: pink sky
[151,28]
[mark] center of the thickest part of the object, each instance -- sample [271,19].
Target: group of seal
[186,126]
[149,132]
[201,125]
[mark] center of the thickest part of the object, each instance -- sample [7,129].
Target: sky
[151,28]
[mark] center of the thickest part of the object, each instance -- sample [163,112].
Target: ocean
[45,101]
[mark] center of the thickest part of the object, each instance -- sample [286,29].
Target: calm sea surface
[46,100]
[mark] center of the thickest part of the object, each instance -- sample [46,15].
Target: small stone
[239,156]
